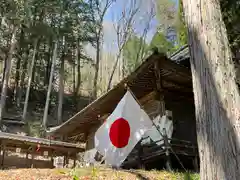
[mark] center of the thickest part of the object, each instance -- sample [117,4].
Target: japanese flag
[122,130]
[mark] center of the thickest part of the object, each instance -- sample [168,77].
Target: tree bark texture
[45,115]
[216,94]
[95,80]
[7,73]
[29,81]
[61,85]
[18,66]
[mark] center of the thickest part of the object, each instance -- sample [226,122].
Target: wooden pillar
[3,154]
[195,164]
[1,150]
[74,160]
[66,160]
[167,147]
[27,158]
[140,154]
[52,159]
[32,157]
[159,88]
[168,160]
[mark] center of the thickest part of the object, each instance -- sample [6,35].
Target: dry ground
[91,174]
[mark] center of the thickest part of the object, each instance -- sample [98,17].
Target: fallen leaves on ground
[90,174]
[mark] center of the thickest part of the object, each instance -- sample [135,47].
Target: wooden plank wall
[184,121]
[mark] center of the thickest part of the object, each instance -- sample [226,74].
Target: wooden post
[167,147]
[140,153]
[32,157]
[195,164]
[3,154]
[65,160]
[27,158]
[52,159]
[74,160]
[1,150]
[160,95]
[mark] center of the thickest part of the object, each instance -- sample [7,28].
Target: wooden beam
[148,97]
[175,68]
[174,86]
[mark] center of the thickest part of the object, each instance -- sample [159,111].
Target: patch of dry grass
[110,174]
[92,174]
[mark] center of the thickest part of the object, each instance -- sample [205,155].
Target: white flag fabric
[122,130]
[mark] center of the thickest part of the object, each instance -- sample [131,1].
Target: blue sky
[115,11]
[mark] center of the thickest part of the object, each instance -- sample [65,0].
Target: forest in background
[57,56]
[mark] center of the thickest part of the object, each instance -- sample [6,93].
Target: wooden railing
[169,146]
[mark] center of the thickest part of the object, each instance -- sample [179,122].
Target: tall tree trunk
[113,71]
[74,78]
[49,63]
[95,80]
[45,115]
[18,65]
[61,85]
[37,57]
[5,60]
[4,68]
[216,94]
[7,73]
[30,74]
[23,75]
[78,70]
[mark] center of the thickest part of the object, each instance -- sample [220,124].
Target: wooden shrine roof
[175,78]
[13,141]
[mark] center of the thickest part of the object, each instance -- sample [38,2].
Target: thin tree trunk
[74,78]
[4,69]
[61,85]
[30,74]
[61,92]
[5,60]
[216,93]
[78,70]
[113,71]
[37,57]
[7,73]
[45,115]
[95,80]
[22,78]
[49,63]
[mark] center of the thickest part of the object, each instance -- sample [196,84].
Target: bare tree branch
[123,31]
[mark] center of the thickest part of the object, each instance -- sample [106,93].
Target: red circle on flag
[120,133]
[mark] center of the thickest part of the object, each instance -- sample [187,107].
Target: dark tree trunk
[18,65]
